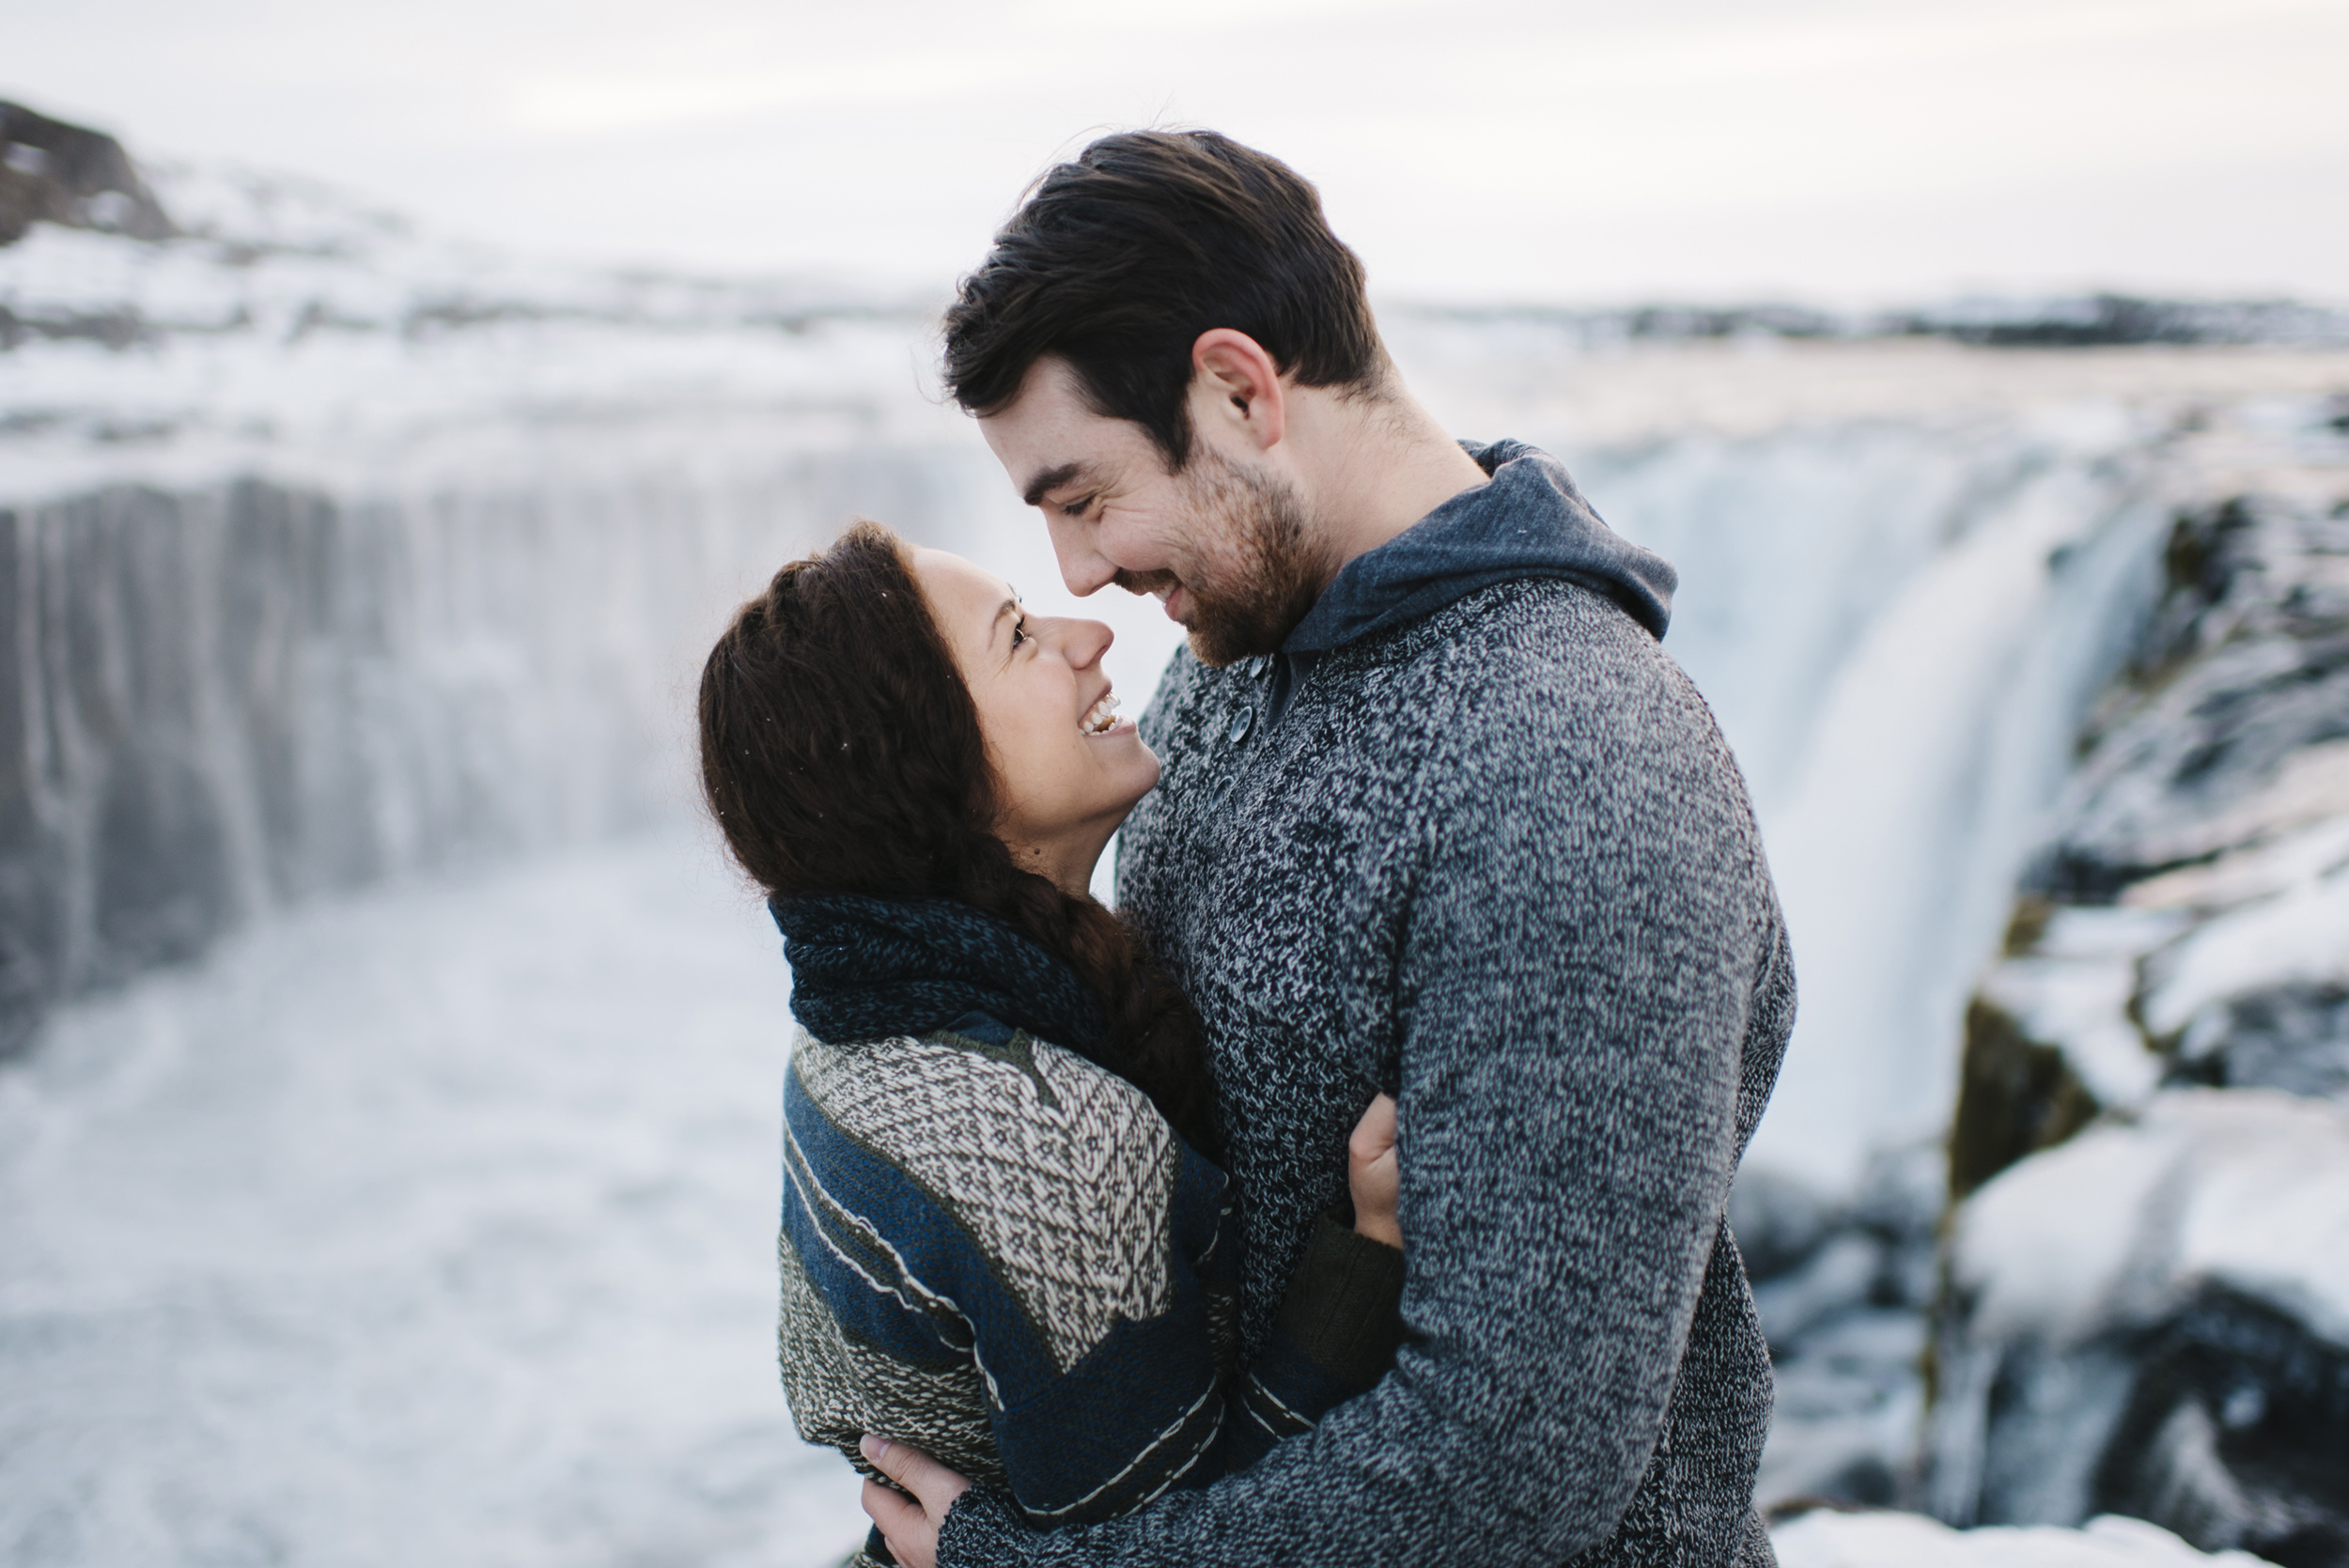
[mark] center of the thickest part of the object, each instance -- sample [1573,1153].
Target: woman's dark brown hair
[841,753]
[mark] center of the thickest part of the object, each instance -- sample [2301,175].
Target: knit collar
[873,968]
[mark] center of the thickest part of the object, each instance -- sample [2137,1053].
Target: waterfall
[1899,628]
[226,698]
[1904,572]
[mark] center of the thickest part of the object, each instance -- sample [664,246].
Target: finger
[934,1484]
[892,1510]
[1374,1135]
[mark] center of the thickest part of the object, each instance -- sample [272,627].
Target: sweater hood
[1529,522]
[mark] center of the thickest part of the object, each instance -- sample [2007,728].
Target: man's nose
[1083,566]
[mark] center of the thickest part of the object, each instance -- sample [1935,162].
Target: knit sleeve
[1339,1328]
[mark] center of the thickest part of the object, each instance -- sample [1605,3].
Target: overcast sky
[1565,151]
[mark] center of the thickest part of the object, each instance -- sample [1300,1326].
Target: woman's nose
[1082,643]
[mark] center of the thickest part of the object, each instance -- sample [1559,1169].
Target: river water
[433,1227]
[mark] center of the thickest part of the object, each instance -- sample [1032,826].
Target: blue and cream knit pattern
[999,1251]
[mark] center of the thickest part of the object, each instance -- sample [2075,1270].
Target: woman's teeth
[1102,717]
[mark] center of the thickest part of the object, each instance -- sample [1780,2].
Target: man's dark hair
[1119,260]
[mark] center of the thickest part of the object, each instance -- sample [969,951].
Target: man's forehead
[1050,435]
[1048,399]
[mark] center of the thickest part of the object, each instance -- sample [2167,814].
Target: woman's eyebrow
[1009,607]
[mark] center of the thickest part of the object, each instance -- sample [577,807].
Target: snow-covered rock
[2147,1308]
[2189,922]
[54,173]
[1841,1290]
[1826,1539]
[2229,734]
[2154,1318]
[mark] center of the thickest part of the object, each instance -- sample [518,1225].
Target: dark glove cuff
[1344,1305]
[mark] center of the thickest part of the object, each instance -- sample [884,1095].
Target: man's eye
[1077,508]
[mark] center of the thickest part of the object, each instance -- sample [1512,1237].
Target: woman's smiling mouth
[1102,717]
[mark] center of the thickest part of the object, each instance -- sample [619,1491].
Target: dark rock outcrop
[2235,1431]
[57,173]
[2243,671]
[2015,1096]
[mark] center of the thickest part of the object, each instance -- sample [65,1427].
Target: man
[1439,818]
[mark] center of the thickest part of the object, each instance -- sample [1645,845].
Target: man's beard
[1262,572]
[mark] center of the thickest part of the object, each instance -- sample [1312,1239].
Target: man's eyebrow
[1049,481]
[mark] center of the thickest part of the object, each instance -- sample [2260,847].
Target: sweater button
[1257,666]
[1243,720]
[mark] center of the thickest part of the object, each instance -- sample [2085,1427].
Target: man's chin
[1219,648]
[1210,653]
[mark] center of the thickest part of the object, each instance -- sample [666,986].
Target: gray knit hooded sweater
[1472,838]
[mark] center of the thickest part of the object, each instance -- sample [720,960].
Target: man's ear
[1235,387]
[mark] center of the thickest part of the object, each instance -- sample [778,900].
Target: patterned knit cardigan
[1000,1251]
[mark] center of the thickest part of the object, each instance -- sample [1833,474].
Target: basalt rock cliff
[53,172]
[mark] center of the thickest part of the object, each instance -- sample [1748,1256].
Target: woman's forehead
[959,588]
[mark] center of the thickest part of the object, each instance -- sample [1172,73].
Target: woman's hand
[909,1527]
[1370,1171]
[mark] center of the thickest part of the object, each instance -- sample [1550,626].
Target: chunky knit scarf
[873,968]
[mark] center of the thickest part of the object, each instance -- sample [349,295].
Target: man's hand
[911,1529]
[1371,1175]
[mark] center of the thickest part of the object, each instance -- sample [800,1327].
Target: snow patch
[2246,1188]
[2300,937]
[1824,1539]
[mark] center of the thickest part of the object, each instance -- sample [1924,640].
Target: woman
[1004,1240]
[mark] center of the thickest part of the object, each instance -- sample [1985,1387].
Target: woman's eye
[1018,631]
